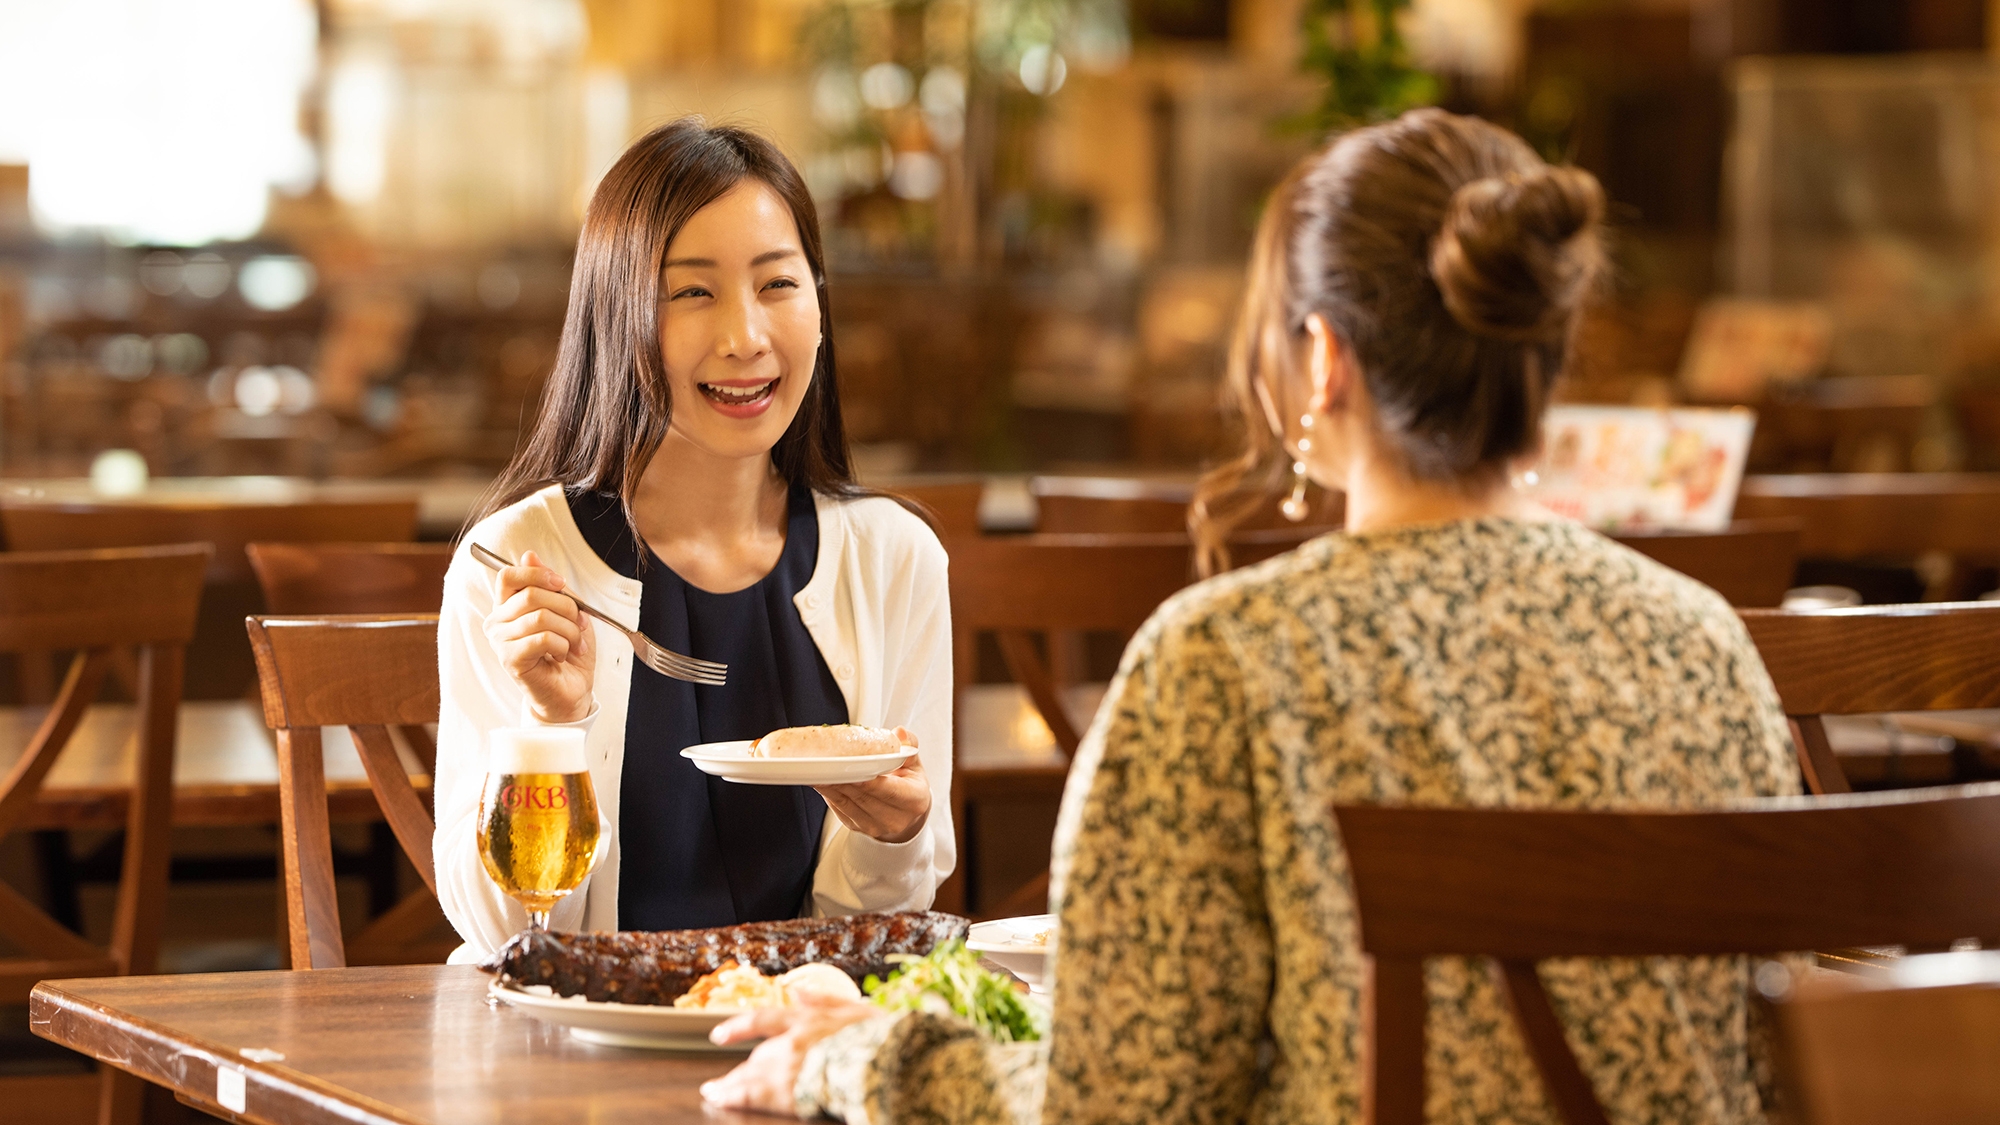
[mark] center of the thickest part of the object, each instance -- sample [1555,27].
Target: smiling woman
[688,473]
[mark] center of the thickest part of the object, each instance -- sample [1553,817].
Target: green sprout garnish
[951,978]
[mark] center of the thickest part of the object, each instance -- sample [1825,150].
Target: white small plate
[731,761]
[658,1027]
[1010,943]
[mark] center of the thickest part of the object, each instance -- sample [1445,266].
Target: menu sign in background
[1630,468]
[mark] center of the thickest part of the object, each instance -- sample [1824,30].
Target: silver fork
[658,657]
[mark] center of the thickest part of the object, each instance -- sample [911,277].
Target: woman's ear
[1326,366]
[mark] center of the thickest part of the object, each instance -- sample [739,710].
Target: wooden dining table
[403,1045]
[442,504]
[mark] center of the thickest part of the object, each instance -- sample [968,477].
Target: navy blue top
[695,850]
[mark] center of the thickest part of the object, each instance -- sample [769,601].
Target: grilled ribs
[656,968]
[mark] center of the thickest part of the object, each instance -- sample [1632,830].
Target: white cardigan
[877,608]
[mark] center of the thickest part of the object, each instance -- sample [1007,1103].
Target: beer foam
[535,750]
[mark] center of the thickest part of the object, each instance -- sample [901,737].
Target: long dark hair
[1452,261]
[607,405]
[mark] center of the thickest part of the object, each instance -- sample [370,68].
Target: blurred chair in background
[954,505]
[1905,519]
[1851,424]
[1016,588]
[1751,563]
[301,578]
[1105,505]
[220,665]
[1109,505]
[1915,1040]
[366,673]
[316,578]
[1979,416]
[92,602]
[1875,659]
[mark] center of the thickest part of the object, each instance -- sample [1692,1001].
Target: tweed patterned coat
[1208,970]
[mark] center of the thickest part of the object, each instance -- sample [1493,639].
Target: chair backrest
[1881,515]
[37,526]
[366,673]
[1110,505]
[94,602]
[1520,886]
[1926,657]
[1750,563]
[1018,586]
[1060,587]
[351,577]
[954,505]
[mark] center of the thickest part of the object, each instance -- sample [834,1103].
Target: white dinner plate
[659,1027]
[731,761]
[1016,945]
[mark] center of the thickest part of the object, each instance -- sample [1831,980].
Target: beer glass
[539,829]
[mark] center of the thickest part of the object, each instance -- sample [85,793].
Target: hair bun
[1517,255]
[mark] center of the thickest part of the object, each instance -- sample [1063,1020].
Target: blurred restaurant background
[331,240]
[321,248]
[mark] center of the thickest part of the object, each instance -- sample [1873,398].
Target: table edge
[299,1099]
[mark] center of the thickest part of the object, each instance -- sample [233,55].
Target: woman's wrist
[582,712]
[915,830]
[834,1076]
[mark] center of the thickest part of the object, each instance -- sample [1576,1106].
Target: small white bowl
[1012,944]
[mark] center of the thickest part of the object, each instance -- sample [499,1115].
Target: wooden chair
[1111,505]
[1915,1041]
[1979,417]
[366,673]
[1885,516]
[1843,424]
[93,602]
[1521,886]
[1751,563]
[302,578]
[1933,656]
[1017,587]
[1067,658]
[954,505]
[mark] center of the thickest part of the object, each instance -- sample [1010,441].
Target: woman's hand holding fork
[543,640]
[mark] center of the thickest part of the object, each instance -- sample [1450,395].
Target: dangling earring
[1294,508]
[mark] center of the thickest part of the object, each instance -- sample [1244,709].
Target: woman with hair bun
[1413,291]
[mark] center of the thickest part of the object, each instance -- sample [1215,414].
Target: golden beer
[538,823]
[538,834]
